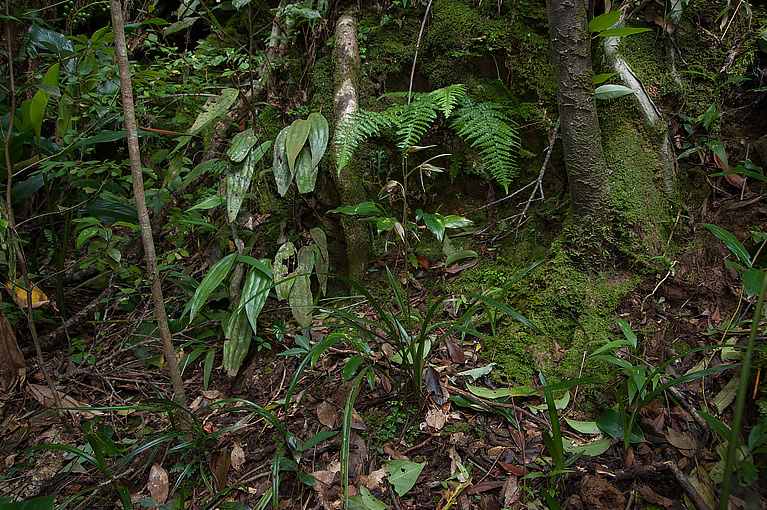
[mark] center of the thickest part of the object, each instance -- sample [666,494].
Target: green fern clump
[484,124]
[494,134]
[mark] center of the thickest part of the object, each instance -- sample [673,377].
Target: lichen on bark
[349,180]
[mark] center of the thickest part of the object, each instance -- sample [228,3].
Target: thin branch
[537,187]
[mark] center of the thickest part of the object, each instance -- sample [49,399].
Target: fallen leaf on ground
[158,484]
[44,395]
[435,418]
[237,457]
[327,414]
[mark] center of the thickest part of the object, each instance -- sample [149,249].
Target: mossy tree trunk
[584,160]
[349,180]
[614,172]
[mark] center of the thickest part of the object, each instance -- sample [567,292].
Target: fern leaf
[360,125]
[413,121]
[495,136]
[447,98]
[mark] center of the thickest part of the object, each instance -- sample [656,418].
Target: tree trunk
[586,169]
[349,180]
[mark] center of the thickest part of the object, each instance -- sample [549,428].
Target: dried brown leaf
[327,414]
[158,484]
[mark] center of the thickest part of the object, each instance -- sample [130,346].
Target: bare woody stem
[138,192]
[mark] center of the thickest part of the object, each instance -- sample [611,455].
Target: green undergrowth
[571,306]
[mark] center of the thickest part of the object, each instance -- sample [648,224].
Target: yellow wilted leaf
[19,294]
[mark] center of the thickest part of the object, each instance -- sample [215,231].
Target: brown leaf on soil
[390,450]
[327,414]
[684,443]
[510,491]
[12,368]
[455,351]
[238,457]
[488,485]
[219,466]
[514,469]
[158,484]
[357,422]
[436,418]
[44,395]
[653,497]
[358,455]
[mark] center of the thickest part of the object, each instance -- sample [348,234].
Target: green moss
[635,198]
[572,307]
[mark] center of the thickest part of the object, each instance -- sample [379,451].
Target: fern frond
[360,125]
[413,121]
[447,98]
[488,129]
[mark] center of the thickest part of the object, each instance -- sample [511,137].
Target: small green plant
[751,276]
[241,323]
[643,385]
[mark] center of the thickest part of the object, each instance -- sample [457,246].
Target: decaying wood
[12,367]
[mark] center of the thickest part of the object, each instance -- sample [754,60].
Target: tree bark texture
[586,169]
[349,180]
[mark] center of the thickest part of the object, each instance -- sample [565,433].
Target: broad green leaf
[611,424]
[455,221]
[241,145]
[306,174]
[215,276]
[593,449]
[237,184]
[403,474]
[434,222]
[604,21]
[298,132]
[752,281]
[300,300]
[305,260]
[239,4]
[612,91]
[283,173]
[318,438]
[385,224]
[214,108]
[487,394]
[364,209]
[318,137]
[51,41]
[718,149]
[735,246]
[41,503]
[460,255]
[626,329]
[37,110]
[601,78]
[108,211]
[476,373]
[584,427]
[715,423]
[351,366]
[369,502]
[254,293]
[281,270]
[621,31]
[208,203]
[180,25]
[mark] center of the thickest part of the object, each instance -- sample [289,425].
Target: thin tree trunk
[138,191]
[586,169]
[349,181]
